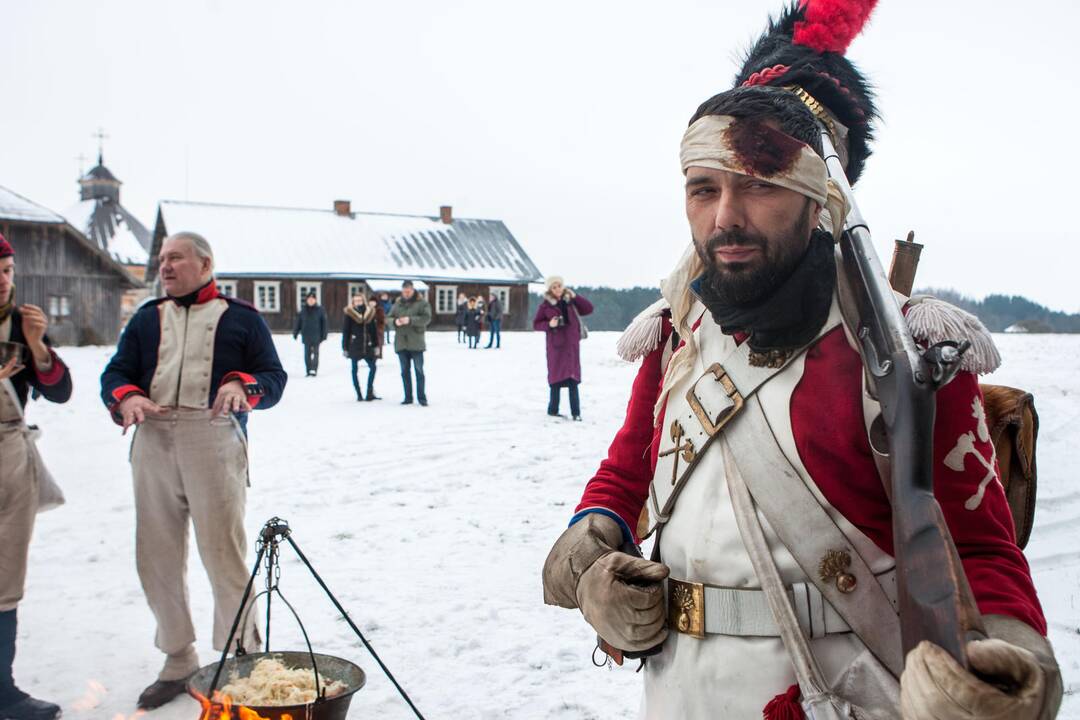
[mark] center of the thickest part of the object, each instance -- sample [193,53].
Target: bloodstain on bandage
[763,150]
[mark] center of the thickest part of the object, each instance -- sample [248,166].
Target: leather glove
[933,686]
[620,595]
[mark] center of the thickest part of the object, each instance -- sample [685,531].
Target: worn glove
[620,595]
[933,686]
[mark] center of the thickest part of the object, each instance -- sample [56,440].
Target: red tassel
[784,706]
[831,25]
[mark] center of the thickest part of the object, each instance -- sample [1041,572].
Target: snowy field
[431,525]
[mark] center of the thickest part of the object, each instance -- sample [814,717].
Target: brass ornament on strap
[684,449]
[834,567]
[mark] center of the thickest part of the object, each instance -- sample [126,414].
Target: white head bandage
[753,148]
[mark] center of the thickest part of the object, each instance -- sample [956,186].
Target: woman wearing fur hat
[361,339]
[559,316]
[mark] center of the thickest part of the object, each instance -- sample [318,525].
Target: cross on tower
[101,137]
[81,159]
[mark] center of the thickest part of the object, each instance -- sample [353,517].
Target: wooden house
[273,257]
[57,268]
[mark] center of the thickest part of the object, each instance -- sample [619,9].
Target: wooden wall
[50,260]
[335,297]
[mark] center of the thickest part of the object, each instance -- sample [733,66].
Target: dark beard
[790,313]
[742,284]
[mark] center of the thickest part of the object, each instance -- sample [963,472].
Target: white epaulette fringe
[644,333]
[932,321]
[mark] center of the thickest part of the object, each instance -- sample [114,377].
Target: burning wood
[222,708]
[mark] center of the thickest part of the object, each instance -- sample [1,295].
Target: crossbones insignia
[965,445]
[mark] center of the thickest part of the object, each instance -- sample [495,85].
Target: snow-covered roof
[111,228]
[379,285]
[269,241]
[15,207]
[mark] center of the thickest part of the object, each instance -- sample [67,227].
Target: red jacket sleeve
[621,484]
[968,488]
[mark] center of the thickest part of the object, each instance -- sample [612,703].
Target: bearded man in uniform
[729,620]
[23,478]
[187,371]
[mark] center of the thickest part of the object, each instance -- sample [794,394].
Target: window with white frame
[503,293]
[445,299]
[356,287]
[303,289]
[268,296]
[227,288]
[59,306]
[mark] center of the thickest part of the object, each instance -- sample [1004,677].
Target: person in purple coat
[559,316]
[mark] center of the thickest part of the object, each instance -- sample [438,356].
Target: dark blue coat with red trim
[54,385]
[243,350]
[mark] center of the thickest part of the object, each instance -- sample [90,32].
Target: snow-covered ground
[431,525]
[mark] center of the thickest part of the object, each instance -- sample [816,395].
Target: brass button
[845,582]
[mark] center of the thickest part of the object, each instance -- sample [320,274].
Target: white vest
[186,353]
[722,676]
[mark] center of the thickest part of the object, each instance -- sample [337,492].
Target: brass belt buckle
[714,425]
[686,607]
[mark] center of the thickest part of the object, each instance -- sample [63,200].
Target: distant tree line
[998,312]
[615,308]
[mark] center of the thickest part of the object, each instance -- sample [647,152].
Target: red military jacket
[827,420]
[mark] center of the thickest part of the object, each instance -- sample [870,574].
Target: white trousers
[187,465]
[18,508]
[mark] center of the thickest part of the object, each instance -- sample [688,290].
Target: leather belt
[697,609]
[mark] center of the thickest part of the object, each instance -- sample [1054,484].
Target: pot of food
[281,685]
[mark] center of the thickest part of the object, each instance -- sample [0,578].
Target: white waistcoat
[186,353]
[723,676]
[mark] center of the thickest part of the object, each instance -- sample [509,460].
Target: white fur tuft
[644,333]
[932,321]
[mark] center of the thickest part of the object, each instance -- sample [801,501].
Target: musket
[935,600]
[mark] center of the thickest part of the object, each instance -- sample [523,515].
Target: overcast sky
[561,118]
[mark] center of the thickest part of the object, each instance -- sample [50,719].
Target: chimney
[446,214]
[343,208]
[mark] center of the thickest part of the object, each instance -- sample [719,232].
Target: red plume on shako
[805,47]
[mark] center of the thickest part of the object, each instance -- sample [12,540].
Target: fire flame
[222,708]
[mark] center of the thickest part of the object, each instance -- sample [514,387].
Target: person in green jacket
[411,315]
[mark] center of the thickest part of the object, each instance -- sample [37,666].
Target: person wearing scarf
[760,276]
[26,362]
[362,339]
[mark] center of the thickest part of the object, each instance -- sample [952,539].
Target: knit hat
[549,281]
[5,248]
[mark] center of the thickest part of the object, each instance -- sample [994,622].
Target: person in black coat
[459,316]
[362,339]
[26,362]
[311,327]
[474,318]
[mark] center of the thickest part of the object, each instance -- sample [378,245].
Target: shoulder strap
[819,547]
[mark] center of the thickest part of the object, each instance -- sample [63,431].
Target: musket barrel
[878,291]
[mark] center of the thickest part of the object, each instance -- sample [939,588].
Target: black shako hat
[805,47]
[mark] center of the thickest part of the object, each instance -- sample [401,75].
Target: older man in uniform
[189,368]
[32,364]
[773,561]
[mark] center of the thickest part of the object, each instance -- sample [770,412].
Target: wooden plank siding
[51,261]
[335,297]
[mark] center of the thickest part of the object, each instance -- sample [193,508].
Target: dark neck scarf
[192,297]
[792,314]
[6,308]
